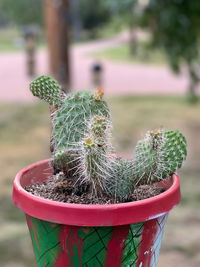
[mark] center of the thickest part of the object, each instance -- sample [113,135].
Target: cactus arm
[47,89]
[159,155]
[95,161]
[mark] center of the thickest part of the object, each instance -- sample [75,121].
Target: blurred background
[145,56]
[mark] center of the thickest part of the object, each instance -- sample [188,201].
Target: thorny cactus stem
[94,165]
[159,155]
[95,159]
[121,185]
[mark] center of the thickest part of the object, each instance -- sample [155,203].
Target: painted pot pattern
[134,245]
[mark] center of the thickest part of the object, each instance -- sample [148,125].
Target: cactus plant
[81,145]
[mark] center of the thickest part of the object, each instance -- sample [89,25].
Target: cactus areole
[123,234]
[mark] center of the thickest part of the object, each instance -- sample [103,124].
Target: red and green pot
[111,235]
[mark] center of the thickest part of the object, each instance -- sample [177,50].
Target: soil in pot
[57,188]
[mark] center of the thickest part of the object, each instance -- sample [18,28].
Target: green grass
[24,139]
[106,31]
[8,37]
[121,53]
[110,29]
[11,37]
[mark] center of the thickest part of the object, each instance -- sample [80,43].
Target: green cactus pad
[71,119]
[46,89]
[159,155]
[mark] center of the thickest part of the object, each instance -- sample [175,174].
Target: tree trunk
[191,95]
[76,20]
[194,81]
[133,41]
[57,29]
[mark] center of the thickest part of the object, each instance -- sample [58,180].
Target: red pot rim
[90,215]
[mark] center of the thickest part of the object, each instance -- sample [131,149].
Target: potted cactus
[79,204]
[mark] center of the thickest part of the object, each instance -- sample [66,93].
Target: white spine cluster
[96,163]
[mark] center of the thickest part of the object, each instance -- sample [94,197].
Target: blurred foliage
[125,9]
[20,12]
[10,39]
[129,13]
[175,27]
[92,16]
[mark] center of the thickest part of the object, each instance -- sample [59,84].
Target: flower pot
[111,235]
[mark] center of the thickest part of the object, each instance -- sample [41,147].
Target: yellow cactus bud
[155,132]
[88,142]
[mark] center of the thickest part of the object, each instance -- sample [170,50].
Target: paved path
[119,78]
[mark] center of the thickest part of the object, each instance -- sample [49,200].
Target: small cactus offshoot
[65,160]
[81,145]
[47,89]
[159,155]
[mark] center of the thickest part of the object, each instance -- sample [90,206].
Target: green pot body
[131,245]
